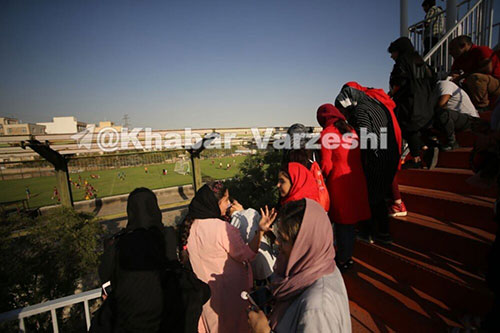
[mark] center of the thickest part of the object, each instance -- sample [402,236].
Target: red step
[466,138]
[364,322]
[400,307]
[468,210]
[450,180]
[486,115]
[465,245]
[456,159]
[436,276]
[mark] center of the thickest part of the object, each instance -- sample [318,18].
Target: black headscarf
[143,210]
[204,204]
[416,81]
[348,98]
[406,51]
[401,45]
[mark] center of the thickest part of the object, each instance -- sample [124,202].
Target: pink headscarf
[311,258]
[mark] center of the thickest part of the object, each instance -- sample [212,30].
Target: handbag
[324,197]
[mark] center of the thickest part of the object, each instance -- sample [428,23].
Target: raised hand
[267,218]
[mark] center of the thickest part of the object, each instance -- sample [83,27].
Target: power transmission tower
[125,121]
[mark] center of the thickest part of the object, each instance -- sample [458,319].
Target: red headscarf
[328,114]
[385,100]
[303,184]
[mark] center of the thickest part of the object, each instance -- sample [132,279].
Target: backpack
[324,197]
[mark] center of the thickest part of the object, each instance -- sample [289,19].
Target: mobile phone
[246,296]
[106,288]
[261,297]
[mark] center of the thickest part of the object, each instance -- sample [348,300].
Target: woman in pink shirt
[220,257]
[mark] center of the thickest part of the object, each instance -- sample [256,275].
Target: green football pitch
[109,183]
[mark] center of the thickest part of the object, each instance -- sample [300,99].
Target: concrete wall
[23,129]
[118,204]
[61,125]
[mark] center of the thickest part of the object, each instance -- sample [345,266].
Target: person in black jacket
[412,82]
[148,287]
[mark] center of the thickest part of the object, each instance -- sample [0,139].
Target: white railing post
[87,313]
[22,328]
[490,23]
[53,314]
[451,14]
[403,18]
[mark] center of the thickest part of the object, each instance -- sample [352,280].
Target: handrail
[449,33]
[412,27]
[51,306]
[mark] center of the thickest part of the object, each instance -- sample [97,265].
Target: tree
[255,184]
[46,258]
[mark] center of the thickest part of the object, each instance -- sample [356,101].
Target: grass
[109,183]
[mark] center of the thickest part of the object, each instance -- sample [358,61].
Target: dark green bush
[46,258]
[255,184]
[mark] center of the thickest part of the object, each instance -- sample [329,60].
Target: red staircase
[432,276]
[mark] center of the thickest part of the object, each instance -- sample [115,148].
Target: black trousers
[449,122]
[379,223]
[344,238]
[429,43]
[415,142]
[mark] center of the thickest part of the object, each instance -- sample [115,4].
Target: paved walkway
[172,215]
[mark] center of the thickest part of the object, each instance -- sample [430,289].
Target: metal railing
[475,19]
[52,306]
[477,23]
[422,34]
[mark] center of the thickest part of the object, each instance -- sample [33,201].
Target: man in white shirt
[247,222]
[454,111]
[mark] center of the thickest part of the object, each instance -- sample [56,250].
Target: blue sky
[176,64]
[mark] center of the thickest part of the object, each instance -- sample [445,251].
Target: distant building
[64,125]
[12,126]
[105,124]
[6,121]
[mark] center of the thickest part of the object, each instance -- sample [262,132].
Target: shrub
[46,258]
[255,184]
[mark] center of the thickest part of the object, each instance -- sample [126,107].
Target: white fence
[52,306]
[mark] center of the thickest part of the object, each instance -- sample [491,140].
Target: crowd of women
[209,275]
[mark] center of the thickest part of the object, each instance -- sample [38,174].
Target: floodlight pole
[195,162]
[403,18]
[60,164]
[194,153]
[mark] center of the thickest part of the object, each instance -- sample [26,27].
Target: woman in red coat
[345,179]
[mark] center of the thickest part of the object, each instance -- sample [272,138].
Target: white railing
[477,23]
[475,19]
[421,33]
[52,306]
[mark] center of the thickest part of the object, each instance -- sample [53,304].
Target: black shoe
[412,165]
[345,266]
[364,237]
[450,146]
[383,238]
[431,157]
